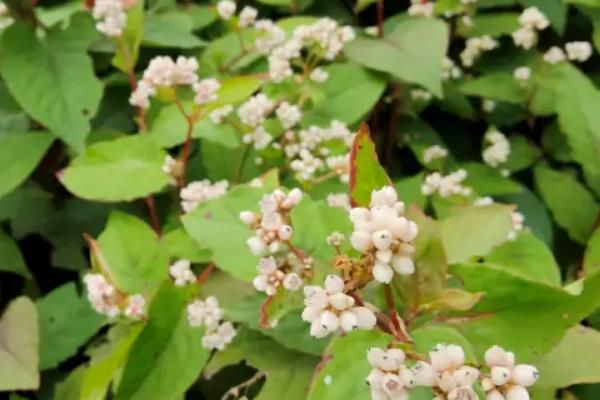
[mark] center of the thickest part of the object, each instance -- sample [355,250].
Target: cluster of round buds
[182,273]
[554,55]
[384,235]
[522,74]
[434,152]
[517,220]
[420,95]
[450,70]
[488,105]
[497,148]
[446,186]
[272,277]
[107,300]
[390,378]
[505,380]
[531,20]
[173,168]
[255,110]
[268,36]
[272,225]
[475,47]
[5,19]
[163,71]
[110,16]
[208,314]
[420,8]
[575,51]
[446,374]
[199,192]
[329,309]
[226,9]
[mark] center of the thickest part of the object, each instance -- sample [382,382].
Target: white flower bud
[310,314]
[341,301]
[293,198]
[463,393]
[375,377]
[496,356]
[446,381]
[466,375]
[375,356]
[385,256]
[517,393]
[334,284]
[382,239]
[247,217]
[329,321]
[226,9]
[494,395]
[403,265]
[256,245]
[260,283]
[524,375]
[285,232]
[360,240]
[366,317]
[271,221]
[292,281]
[425,374]
[386,196]
[456,354]
[383,272]
[407,377]
[359,215]
[348,321]
[317,330]
[392,384]
[315,296]
[399,227]
[397,355]
[500,375]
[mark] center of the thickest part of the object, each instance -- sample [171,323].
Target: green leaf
[523,154]
[496,86]
[561,191]
[284,379]
[404,54]
[131,253]
[179,244]
[536,214]
[347,367]
[216,225]
[494,24]
[66,321]
[573,361]
[167,356]
[12,118]
[19,155]
[170,30]
[52,78]
[528,257]
[70,387]
[475,231]
[452,299]
[123,169]
[107,361]
[348,95]
[11,259]
[488,181]
[366,174]
[128,44]
[19,346]
[409,190]
[521,315]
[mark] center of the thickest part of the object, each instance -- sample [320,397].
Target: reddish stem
[264,312]
[296,251]
[206,273]
[153,215]
[324,360]
[389,302]
[380,16]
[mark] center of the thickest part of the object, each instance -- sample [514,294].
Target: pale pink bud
[524,375]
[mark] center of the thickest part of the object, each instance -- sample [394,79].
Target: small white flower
[578,51]
[204,313]
[488,105]
[181,272]
[554,55]
[506,380]
[102,295]
[475,47]
[218,115]
[421,9]
[254,111]
[289,115]
[206,91]
[247,16]
[292,281]
[433,153]
[420,95]
[525,37]
[226,9]
[533,18]
[5,19]
[218,338]
[199,192]
[450,70]
[110,17]
[318,75]
[446,186]
[136,306]
[522,74]
[269,35]
[497,149]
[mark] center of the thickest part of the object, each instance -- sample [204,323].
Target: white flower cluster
[268,35]
[289,115]
[505,380]
[182,273]
[420,95]
[207,313]
[434,152]
[450,70]
[420,8]
[385,235]
[255,110]
[517,219]
[575,51]
[531,21]
[164,72]
[110,16]
[5,19]
[199,192]
[522,74]
[446,373]
[106,299]
[219,114]
[226,9]
[309,151]
[173,168]
[390,378]
[271,225]
[329,309]
[447,185]
[488,105]
[497,148]
[475,47]
[271,278]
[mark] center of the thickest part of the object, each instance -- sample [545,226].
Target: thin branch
[380,16]
[264,312]
[234,392]
[206,273]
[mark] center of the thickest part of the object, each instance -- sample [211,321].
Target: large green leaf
[366,174]
[591,260]
[11,259]
[404,54]
[475,231]
[348,94]
[170,30]
[573,361]
[571,204]
[497,86]
[66,321]
[519,314]
[488,181]
[19,155]
[52,77]
[348,367]
[167,356]
[19,346]
[536,215]
[216,225]
[527,256]
[494,24]
[122,169]
[284,379]
[132,254]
